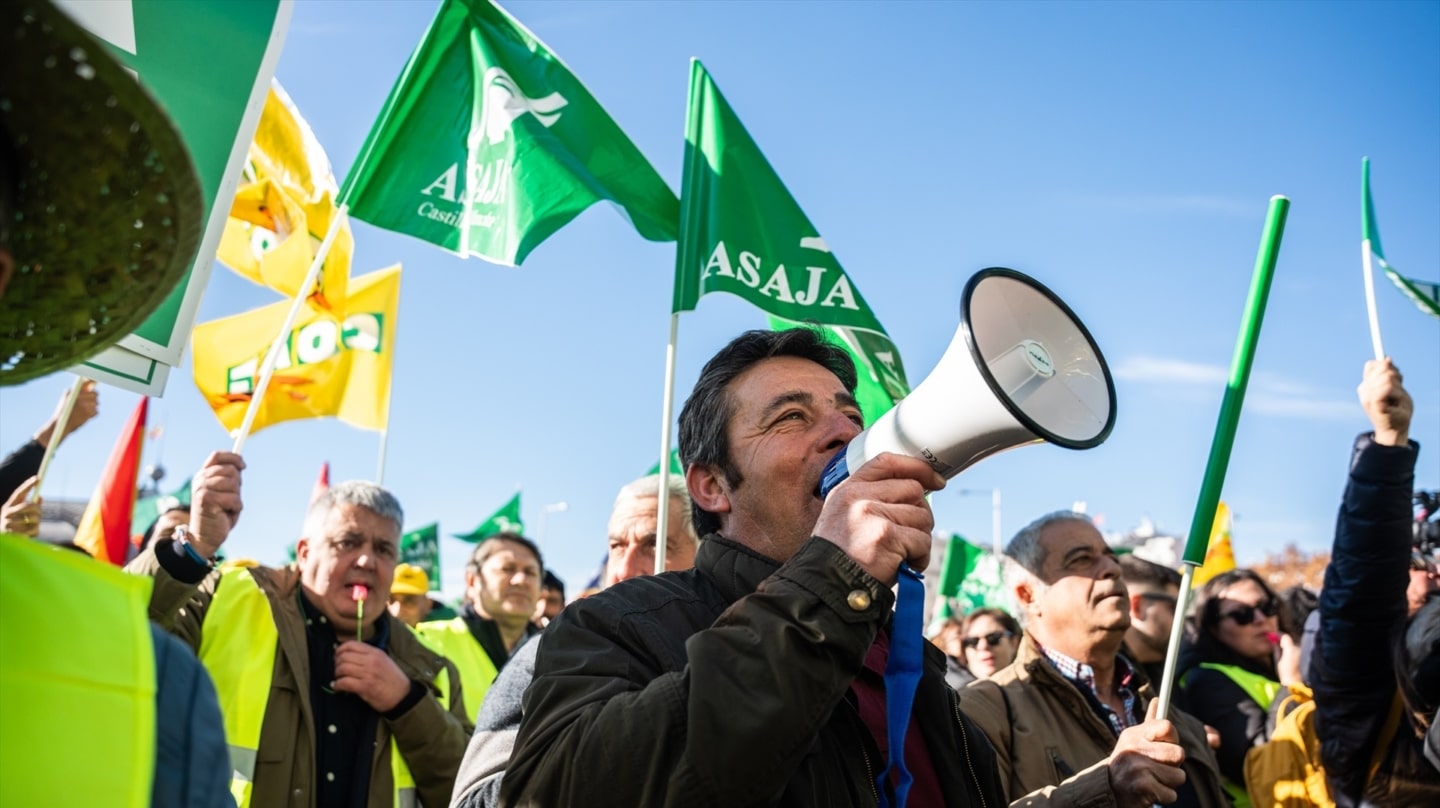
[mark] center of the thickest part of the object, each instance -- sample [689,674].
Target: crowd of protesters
[755,670]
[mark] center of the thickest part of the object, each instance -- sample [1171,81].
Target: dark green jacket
[727,685]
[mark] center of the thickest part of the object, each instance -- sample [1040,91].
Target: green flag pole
[1199,537]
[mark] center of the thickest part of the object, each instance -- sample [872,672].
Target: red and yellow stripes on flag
[1219,554]
[104,530]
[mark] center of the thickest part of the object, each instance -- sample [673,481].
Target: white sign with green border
[210,66]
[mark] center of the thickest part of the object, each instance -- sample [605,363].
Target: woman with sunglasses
[1227,672]
[989,639]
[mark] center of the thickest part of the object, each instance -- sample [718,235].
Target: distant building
[59,519]
[1148,542]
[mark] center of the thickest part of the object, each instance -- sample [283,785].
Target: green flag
[675,467]
[973,576]
[1425,294]
[741,232]
[488,144]
[422,548]
[505,520]
[148,509]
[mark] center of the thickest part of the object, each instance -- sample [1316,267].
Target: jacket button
[858,599]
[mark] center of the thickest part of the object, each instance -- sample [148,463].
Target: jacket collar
[736,569]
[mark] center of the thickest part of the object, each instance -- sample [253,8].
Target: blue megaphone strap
[902,675]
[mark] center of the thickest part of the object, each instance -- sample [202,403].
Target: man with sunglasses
[1375,668]
[1070,718]
[1153,592]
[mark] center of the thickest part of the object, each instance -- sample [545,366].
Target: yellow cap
[410,580]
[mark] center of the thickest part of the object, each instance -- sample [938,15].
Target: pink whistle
[359,591]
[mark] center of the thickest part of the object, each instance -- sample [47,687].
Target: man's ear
[707,488]
[302,549]
[1135,613]
[1024,595]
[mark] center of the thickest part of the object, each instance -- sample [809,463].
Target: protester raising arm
[25,461]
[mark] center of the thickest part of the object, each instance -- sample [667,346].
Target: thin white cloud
[1267,393]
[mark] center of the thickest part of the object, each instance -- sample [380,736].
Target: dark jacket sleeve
[192,763]
[728,727]
[19,466]
[478,783]
[1362,609]
[1215,699]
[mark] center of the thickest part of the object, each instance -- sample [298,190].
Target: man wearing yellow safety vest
[313,715]
[502,586]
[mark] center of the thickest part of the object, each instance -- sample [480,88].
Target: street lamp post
[997,541]
[554,507]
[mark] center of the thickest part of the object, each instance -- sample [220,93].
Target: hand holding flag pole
[57,435]
[1224,441]
[267,368]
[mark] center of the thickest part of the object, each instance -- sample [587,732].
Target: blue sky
[1123,154]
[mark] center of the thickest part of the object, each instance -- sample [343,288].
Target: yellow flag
[284,209]
[1219,555]
[335,366]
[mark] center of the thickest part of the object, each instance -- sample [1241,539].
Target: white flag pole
[1367,261]
[267,368]
[662,519]
[57,435]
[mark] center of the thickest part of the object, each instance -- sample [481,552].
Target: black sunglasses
[1245,615]
[992,639]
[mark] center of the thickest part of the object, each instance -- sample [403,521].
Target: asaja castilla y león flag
[742,232]
[334,365]
[283,210]
[488,144]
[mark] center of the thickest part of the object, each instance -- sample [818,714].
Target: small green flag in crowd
[505,520]
[973,577]
[488,144]
[675,466]
[742,232]
[421,548]
[1425,294]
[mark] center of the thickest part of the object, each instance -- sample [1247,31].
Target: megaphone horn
[1022,369]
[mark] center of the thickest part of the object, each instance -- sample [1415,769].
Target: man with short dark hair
[552,599]
[756,677]
[502,587]
[1153,593]
[1070,718]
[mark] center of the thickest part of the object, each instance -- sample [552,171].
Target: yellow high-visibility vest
[77,678]
[238,648]
[452,639]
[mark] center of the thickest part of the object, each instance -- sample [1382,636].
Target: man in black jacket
[1360,660]
[753,678]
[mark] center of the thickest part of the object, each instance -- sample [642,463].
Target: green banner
[488,144]
[215,109]
[421,548]
[742,232]
[505,520]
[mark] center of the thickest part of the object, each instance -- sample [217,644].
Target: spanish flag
[104,530]
[337,363]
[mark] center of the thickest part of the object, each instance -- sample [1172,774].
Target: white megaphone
[1021,369]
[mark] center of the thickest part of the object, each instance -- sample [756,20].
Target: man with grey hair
[1071,718]
[327,699]
[634,520]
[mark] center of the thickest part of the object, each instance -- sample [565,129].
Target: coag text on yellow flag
[335,365]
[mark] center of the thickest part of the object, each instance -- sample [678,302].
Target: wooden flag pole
[267,368]
[1198,540]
